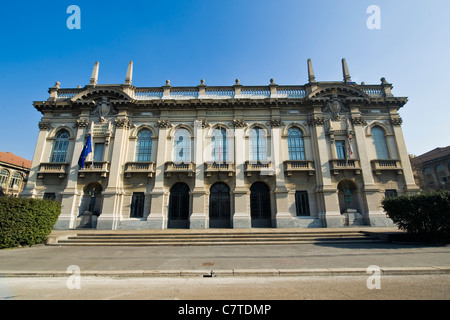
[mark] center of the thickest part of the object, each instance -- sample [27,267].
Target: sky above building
[219,41]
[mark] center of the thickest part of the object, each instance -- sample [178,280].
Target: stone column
[199,218]
[241,217]
[113,194]
[157,219]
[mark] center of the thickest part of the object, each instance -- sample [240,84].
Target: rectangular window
[49,196]
[98,152]
[389,193]
[137,205]
[302,203]
[340,149]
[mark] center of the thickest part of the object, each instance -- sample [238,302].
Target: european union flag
[86,150]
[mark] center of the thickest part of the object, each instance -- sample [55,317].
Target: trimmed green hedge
[425,216]
[25,221]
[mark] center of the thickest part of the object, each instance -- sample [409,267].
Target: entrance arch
[92,200]
[179,206]
[91,206]
[260,205]
[219,206]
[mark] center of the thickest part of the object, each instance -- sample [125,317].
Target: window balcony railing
[387,164]
[299,166]
[337,165]
[228,168]
[59,168]
[139,168]
[101,167]
[260,167]
[184,167]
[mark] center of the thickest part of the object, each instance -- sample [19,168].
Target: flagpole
[87,148]
[91,131]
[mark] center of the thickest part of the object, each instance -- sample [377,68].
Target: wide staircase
[213,237]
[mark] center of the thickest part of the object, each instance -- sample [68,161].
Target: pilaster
[157,218]
[370,192]
[113,194]
[326,192]
[241,217]
[30,188]
[396,122]
[283,219]
[70,194]
[199,217]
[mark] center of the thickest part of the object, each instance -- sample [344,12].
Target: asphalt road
[416,287]
[123,261]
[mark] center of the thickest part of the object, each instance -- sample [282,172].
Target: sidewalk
[319,259]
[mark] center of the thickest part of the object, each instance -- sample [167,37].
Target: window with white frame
[379,141]
[295,144]
[340,149]
[144,146]
[60,146]
[16,180]
[219,145]
[258,144]
[4,177]
[99,149]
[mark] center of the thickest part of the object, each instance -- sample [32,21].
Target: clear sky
[219,41]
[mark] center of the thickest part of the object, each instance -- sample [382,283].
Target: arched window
[441,173]
[379,141]
[60,146]
[219,145]
[182,146]
[295,144]
[144,146]
[428,173]
[4,177]
[258,144]
[16,180]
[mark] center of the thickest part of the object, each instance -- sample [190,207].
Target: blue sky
[219,41]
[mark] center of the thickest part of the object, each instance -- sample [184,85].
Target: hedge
[425,216]
[25,221]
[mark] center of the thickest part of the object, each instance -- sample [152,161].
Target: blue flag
[86,150]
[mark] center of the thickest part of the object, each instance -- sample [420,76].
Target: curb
[391,271]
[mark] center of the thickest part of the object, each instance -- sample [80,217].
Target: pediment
[98,93]
[341,91]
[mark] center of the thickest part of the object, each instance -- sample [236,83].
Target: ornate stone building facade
[323,154]
[14,172]
[432,169]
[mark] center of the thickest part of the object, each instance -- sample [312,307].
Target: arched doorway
[179,206]
[219,206]
[260,205]
[92,199]
[91,206]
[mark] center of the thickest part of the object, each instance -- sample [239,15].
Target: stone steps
[212,238]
